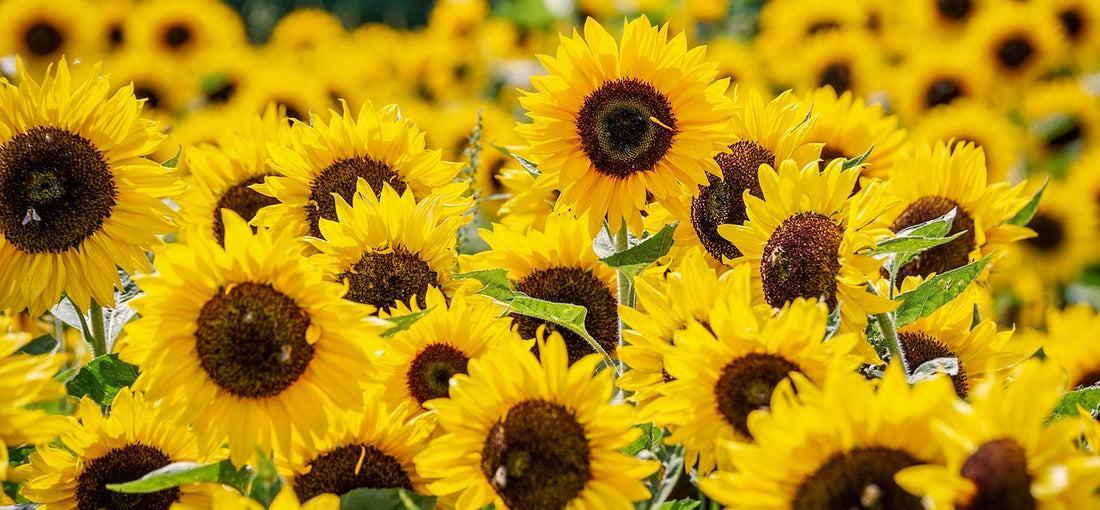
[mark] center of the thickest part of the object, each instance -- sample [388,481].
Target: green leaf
[661,484]
[266,483]
[635,259]
[935,227]
[174,160]
[936,292]
[683,504]
[910,244]
[102,378]
[1025,214]
[403,322]
[385,499]
[20,506]
[650,436]
[495,283]
[833,323]
[531,168]
[858,160]
[44,344]
[567,315]
[212,83]
[1088,398]
[913,240]
[184,473]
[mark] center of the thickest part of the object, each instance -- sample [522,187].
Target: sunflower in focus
[324,158]
[137,437]
[1071,343]
[968,120]
[524,433]
[1001,452]
[183,30]
[1017,41]
[613,123]
[850,439]
[802,239]
[849,127]
[248,334]
[41,33]
[77,199]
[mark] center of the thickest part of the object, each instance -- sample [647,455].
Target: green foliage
[647,441]
[1088,398]
[913,240]
[386,499]
[832,325]
[44,344]
[183,473]
[403,322]
[102,378]
[858,160]
[173,161]
[266,482]
[495,283]
[635,259]
[936,292]
[1025,214]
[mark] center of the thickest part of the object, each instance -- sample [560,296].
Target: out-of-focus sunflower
[847,437]
[159,85]
[1080,22]
[388,249]
[1000,452]
[787,24]
[274,78]
[137,437]
[941,19]
[248,341]
[521,433]
[40,33]
[1017,42]
[737,62]
[934,75]
[728,368]
[113,14]
[1072,343]
[181,30]
[77,198]
[1060,115]
[802,239]
[971,121]
[928,181]
[27,380]
[219,76]
[849,127]
[330,157]
[1066,234]
[453,69]
[306,30]
[458,18]
[419,362]
[556,264]
[614,123]
[846,60]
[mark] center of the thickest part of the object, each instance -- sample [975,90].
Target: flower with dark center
[223,94]
[943,91]
[115,36]
[625,126]
[291,111]
[341,177]
[837,75]
[920,348]
[43,39]
[176,36]
[243,200]
[999,471]
[801,260]
[430,372]
[349,467]
[579,287]
[1072,23]
[125,464]
[858,479]
[1049,230]
[149,94]
[955,10]
[1015,52]
[822,26]
[382,279]
[746,384]
[721,201]
[1072,132]
[944,257]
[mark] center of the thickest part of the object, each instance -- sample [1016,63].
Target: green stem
[99,332]
[626,284]
[889,331]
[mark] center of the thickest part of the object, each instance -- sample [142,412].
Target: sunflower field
[548,254]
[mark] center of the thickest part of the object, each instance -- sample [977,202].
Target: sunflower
[77,199]
[968,120]
[1065,226]
[370,447]
[306,30]
[158,85]
[929,181]
[286,499]
[942,20]
[1071,342]
[418,363]
[802,239]
[737,62]
[845,60]
[556,264]
[181,30]
[1080,22]
[26,381]
[277,78]
[218,77]
[849,127]
[932,76]
[521,433]
[834,447]
[40,33]
[248,340]
[1060,116]
[767,134]
[786,25]
[527,205]
[725,369]
[330,157]
[613,123]
[1000,452]
[137,437]
[220,175]
[388,249]
[113,14]
[1016,41]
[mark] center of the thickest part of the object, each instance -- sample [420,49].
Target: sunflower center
[537,457]
[177,35]
[838,76]
[1072,23]
[800,260]
[294,113]
[921,348]
[251,340]
[944,257]
[747,383]
[822,26]
[617,129]
[115,36]
[1089,379]
[953,9]
[942,91]
[862,478]
[119,465]
[350,467]
[56,190]
[341,177]
[722,201]
[1015,52]
[43,38]
[149,94]
[999,471]
[382,279]
[1049,233]
[579,287]
[430,372]
[223,94]
[243,200]
[1066,135]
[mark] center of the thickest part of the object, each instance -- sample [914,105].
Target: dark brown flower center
[998,469]
[43,39]
[177,35]
[1068,133]
[838,76]
[1072,23]
[1015,52]
[430,372]
[149,94]
[921,348]
[382,279]
[350,467]
[800,260]
[125,464]
[953,9]
[579,287]
[822,26]
[721,201]
[1089,379]
[617,131]
[56,190]
[115,36]
[341,177]
[747,383]
[244,201]
[537,457]
[293,112]
[944,257]
[223,93]
[942,91]
[858,479]
[251,340]
[1049,233]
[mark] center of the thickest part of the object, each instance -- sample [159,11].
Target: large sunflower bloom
[248,340]
[612,123]
[521,433]
[77,199]
[137,437]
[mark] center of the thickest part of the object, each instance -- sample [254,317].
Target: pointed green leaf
[403,322]
[936,291]
[910,244]
[102,378]
[1088,398]
[650,435]
[386,499]
[174,160]
[266,483]
[683,504]
[42,345]
[184,473]
[1025,214]
[635,259]
[858,160]
[494,283]
[531,168]
[935,227]
[567,315]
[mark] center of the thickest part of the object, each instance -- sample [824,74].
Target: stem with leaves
[889,332]
[99,331]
